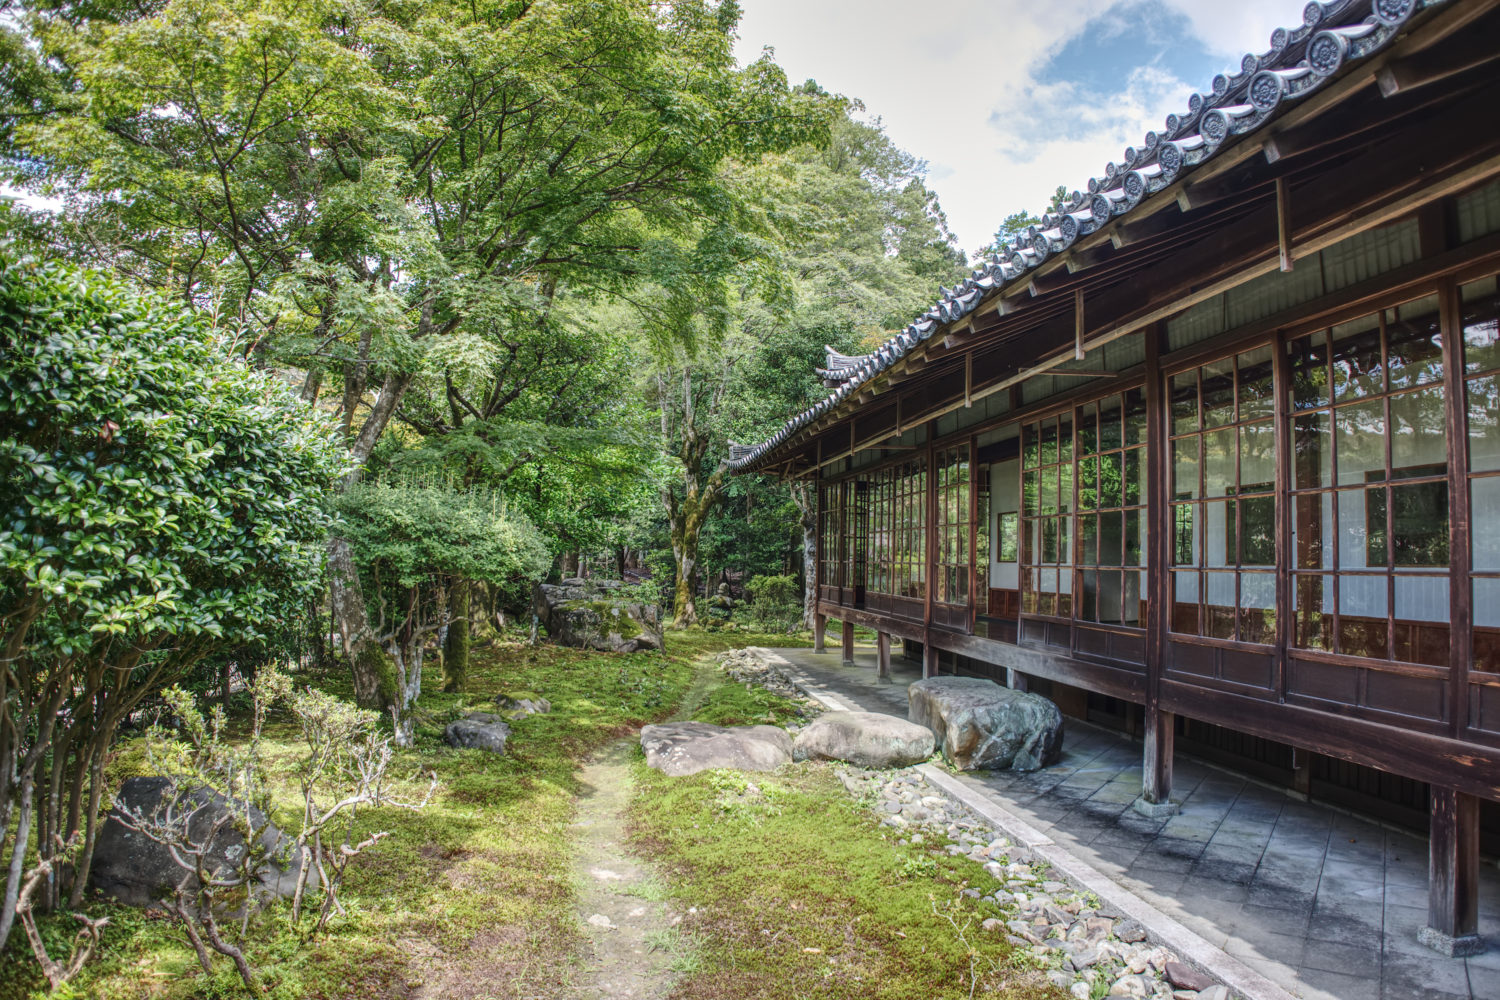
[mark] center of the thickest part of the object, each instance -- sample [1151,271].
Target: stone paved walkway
[1322,903]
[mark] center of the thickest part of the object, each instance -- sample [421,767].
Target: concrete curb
[1192,948]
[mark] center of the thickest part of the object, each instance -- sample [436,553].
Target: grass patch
[796,891]
[734,704]
[471,898]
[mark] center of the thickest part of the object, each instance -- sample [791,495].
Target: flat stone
[682,748]
[980,724]
[1185,977]
[1218,992]
[868,739]
[1130,932]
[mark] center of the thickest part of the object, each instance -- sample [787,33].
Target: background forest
[330,328]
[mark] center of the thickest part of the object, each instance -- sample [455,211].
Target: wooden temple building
[1213,453]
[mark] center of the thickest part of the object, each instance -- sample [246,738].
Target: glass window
[953,566]
[1224,500]
[1370,487]
[1480,321]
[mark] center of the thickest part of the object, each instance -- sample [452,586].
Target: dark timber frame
[1273,239]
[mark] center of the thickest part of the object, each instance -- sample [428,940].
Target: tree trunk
[352,621]
[806,499]
[456,643]
[569,565]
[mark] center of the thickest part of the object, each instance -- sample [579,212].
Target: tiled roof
[1300,61]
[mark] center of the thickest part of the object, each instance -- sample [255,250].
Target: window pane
[1135,416]
[1065,438]
[1484,423]
[1065,487]
[1363,607]
[1312,531]
[1487,624]
[1258,607]
[1309,372]
[1421,628]
[1031,494]
[1185,402]
[1219,605]
[1419,440]
[1256,384]
[1356,359]
[1088,429]
[1218,393]
[1481,308]
[1110,426]
[1049,442]
[1414,343]
[1111,480]
[1184,534]
[1419,524]
[1485,500]
[1185,602]
[1088,535]
[1185,468]
[1218,463]
[1135,538]
[1258,531]
[1111,538]
[1135,477]
[1049,491]
[1088,483]
[1090,609]
[1313,451]
[1257,457]
[1359,436]
[1310,597]
[1219,534]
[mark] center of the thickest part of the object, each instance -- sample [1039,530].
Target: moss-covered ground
[798,891]
[793,889]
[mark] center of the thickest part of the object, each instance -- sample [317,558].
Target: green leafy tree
[363,179]
[412,543]
[160,503]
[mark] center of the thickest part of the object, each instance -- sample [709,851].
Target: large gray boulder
[592,614]
[980,724]
[681,748]
[137,871]
[867,739]
[478,731]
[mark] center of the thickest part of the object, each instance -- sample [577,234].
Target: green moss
[609,615]
[735,704]
[479,883]
[800,892]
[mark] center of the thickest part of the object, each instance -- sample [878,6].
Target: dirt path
[630,929]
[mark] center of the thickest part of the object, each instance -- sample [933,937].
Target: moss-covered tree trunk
[456,643]
[690,502]
[806,497]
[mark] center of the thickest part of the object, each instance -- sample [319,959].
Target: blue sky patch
[1125,37]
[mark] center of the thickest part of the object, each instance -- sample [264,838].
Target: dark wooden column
[883,656]
[1156,764]
[820,628]
[848,642]
[929,660]
[1160,726]
[1453,875]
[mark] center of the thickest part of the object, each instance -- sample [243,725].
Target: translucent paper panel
[1219,533]
[1422,598]
[1487,607]
[1257,607]
[1485,507]
[1419,440]
[1356,546]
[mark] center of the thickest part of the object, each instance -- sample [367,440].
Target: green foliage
[404,534]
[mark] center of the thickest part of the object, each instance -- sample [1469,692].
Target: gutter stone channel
[1076,920]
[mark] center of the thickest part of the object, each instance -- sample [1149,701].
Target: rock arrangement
[1081,940]
[745,666]
[594,614]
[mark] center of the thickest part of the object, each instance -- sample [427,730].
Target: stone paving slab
[1322,903]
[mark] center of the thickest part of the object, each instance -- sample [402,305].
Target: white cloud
[955,82]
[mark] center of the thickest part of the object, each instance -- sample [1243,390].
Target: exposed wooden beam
[1284,223]
[1078,350]
[1474,48]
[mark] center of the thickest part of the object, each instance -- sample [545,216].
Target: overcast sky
[1007,99]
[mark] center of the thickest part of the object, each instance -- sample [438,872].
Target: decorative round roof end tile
[1195,103]
[1393,12]
[1266,89]
[1100,207]
[1325,53]
[1250,63]
[1135,185]
[1278,40]
[1170,158]
[1221,85]
[1173,123]
[1215,126]
[1069,227]
[1312,14]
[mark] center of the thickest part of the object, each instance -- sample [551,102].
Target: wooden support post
[883,657]
[1078,351]
[1453,875]
[1014,679]
[848,638]
[1156,764]
[820,628]
[1302,772]
[1284,223]
[929,660]
[968,379]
